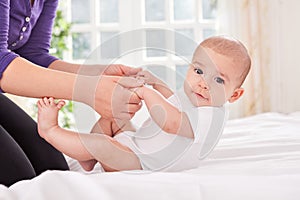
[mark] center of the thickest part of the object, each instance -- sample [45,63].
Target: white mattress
[257,158]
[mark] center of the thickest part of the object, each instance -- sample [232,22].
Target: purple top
[25,31]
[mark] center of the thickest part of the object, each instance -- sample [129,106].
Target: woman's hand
[121,103]
[94,70]
[115,100]
[120,70]
[109,95]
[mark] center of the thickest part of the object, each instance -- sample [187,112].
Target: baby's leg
[83,147]
[48,115]
[112,155]
[119,126]
[48,118]
[103,126]
[111,127]
[88,165]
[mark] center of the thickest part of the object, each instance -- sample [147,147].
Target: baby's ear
[236,95]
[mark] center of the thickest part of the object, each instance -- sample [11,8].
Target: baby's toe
[46,101]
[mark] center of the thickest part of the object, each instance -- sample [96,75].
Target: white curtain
[254,23]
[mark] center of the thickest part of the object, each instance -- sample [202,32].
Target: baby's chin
[199,101]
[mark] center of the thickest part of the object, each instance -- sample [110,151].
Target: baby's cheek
[218,96]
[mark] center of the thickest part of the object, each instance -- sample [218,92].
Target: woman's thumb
[130,82]
[133,71]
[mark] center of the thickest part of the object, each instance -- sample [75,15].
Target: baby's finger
[141,73]
[147,80]
[142,78]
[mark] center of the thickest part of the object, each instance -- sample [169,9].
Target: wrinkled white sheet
[257,158]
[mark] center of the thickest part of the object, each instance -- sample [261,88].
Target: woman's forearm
[90,70]
[23,78]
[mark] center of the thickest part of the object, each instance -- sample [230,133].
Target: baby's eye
[219,80]
[198,71]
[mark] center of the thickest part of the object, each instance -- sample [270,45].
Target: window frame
[137,21]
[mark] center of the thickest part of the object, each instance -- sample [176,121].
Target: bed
[258,157]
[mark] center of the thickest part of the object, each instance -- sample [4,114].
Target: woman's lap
[21,131]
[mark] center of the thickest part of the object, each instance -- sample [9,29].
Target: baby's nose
[203,84]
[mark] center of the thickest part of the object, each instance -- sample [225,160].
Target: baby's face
[212,79]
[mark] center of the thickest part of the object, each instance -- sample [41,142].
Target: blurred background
[268,28]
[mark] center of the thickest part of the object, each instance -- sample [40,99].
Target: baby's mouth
[201,96]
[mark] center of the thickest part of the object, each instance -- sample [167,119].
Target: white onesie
[161,151]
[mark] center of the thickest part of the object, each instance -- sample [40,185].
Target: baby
[183,128]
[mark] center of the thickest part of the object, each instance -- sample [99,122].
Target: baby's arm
[165,115]
[155,82]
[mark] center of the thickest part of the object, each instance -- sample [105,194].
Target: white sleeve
[207,124]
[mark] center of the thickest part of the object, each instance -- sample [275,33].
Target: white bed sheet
[257,158]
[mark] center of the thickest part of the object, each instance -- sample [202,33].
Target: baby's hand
[148,77]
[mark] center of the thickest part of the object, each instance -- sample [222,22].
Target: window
[164,31]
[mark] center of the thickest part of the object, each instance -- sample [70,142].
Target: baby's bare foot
[48,114]
[88,165]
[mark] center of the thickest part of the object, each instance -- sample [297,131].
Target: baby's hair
[230,47]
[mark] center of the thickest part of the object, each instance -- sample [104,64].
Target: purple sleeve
[5,55]
[37,47]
